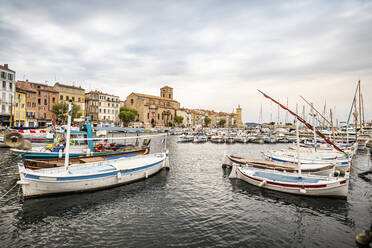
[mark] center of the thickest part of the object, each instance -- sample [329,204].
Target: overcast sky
[215,54]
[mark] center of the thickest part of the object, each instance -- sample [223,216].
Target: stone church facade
[154,110]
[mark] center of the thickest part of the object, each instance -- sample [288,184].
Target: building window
[61,97]
[10,97]
[73,99]
[39,101]
[66,90]
[28,104]
[72,91]
[45,102]
[39,93]
[3,75]
[4,85]
[53,100]
[148,116]
[131,101]
[10,86]
[158,116]
[10,76]
[45,94]
[44,115]
[34,105]
[4,97]
[61,89]
[79,99]
[3,108]
[67,98]
[79,92]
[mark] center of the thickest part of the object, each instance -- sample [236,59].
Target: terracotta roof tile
[154,97]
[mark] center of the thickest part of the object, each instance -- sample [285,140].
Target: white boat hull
[36,183]
[334,188]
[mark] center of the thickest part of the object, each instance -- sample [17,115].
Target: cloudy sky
[215,54]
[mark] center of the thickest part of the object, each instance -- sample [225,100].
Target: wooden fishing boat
[316,169]
[36,164]
[298,184]
[89,176]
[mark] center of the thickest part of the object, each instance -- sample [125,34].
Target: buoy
[364,238]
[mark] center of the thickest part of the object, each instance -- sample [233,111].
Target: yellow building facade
[19,109]
[74,93]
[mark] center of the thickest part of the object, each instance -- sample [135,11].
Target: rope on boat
[364,175]
[8,191]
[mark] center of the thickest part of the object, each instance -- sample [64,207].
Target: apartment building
[74,93]
[7,89]
[102,108]
[39,102]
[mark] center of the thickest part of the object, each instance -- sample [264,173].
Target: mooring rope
[8,191]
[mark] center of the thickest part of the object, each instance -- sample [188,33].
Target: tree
[178,119]
[222,123]
[60,111]
[207,121]
[127,115]
[167,113]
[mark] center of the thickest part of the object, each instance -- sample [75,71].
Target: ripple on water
[194,204]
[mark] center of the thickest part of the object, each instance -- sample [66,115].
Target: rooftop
[154,97]
[68,86]
[5,67]
[99,93]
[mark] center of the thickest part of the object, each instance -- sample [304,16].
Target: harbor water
[194,204]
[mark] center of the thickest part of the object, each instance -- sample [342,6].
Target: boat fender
[146,174]
[302,190]
[99,148]
[263,183]
[59,153]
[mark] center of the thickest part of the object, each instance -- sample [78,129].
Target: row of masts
[322,119]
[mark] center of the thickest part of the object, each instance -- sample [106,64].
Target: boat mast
[286,114]
[361,98]
[67,151]
[333,130]
[360,110]
[312,107]
[355,120]
[298,148]
[304,122]
[314,132]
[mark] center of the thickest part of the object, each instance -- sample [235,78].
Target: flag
[70,113]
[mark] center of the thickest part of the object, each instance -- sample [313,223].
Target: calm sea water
[194,204]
